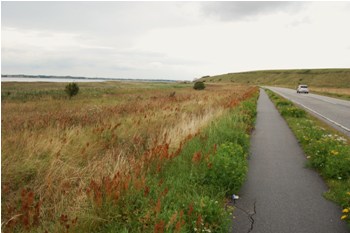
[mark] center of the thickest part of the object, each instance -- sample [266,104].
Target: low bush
[283,103]
[72,89]
[228,168]
[292,112]
[199,85]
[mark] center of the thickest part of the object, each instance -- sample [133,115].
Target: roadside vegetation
[126,157]
[327,152]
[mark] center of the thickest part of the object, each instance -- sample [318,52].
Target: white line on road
[327,101]
[317,113]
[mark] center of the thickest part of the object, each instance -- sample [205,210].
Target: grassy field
[137,157]
[326,151]
[330,78]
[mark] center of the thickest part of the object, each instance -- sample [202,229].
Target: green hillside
[338,78]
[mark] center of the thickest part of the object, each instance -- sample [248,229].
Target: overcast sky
[171,40]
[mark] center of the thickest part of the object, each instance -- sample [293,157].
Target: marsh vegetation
[129,156]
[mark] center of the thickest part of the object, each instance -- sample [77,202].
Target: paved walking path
[280,194]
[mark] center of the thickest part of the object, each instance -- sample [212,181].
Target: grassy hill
[337,78]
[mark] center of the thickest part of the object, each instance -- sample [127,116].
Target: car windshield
[303,86]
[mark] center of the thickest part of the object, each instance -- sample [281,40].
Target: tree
[72,89]
[199,85]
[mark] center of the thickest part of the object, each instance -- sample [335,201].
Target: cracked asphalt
[280,194]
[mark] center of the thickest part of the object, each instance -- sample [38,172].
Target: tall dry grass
[54,149]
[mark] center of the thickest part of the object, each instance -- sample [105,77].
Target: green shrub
[329,156]
[338,167]
[293,112]
[72,89]
[281,103]
[199,85]
[227,168]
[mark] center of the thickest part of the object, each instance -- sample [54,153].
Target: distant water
[55,80]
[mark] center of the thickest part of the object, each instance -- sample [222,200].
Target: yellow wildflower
[343,217]
[333,152]
[346,210]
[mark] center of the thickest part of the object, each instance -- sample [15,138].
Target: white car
[303,89]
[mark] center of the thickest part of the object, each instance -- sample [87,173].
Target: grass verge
[326,151]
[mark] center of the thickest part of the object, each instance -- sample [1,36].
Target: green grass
[339,78]
[327,152]
[41,90]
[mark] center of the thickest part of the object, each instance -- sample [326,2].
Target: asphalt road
[280,194]
[333,111]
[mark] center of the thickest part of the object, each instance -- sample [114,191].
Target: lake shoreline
[72,79]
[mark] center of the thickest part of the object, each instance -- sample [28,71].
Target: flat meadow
[122,157]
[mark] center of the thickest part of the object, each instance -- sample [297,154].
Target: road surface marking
[327,101]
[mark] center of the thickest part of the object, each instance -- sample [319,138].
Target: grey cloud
[90,62]
[118,18]
[114,24]
[65,16]
[228,11]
